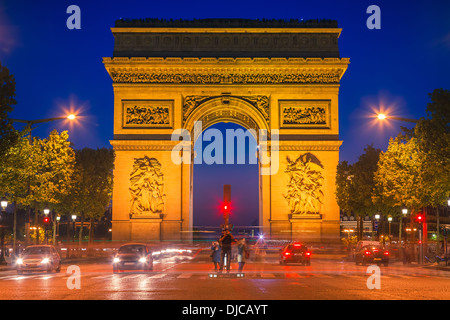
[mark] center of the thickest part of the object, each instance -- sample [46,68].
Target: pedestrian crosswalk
[98,276]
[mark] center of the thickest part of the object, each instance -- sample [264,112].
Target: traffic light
[420,218]
[46,221]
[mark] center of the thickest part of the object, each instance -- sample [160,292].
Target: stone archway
[250,112]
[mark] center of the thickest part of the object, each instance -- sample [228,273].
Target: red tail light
[308,253]
[287,253]
[386,253]
[367,253]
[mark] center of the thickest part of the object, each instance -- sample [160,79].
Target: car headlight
[19,261]
[143,259]
[45,260]
[116,260]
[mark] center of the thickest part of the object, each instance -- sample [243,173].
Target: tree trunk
[91,231]
[15,229]
[359,227]
[91,236]
[80,236]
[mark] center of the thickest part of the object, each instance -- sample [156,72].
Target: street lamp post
[56,228]
[377,220]
[46,213]
[4,205]
[390,221]
[404,213]
[74,218]
[382,116]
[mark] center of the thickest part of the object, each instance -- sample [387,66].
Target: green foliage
[355,184]
[415,169]
[38,174]
[433,136]
[91,189]
[398,178]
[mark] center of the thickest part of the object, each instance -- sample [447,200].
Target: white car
[39,258]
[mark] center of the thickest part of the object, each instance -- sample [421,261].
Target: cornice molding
[226,70]
[125,61]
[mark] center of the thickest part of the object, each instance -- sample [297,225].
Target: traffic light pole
[420,244]
[226,208]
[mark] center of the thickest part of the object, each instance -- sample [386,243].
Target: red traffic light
[420,218]
[46,220]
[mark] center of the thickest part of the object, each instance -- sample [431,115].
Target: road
[190,278]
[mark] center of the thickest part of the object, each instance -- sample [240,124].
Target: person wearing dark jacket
[225,242]
[215,255]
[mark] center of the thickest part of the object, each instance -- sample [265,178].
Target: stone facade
[292,87]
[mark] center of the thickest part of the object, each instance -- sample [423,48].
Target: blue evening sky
[58,69]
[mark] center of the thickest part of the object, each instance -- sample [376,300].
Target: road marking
[158,275]
[267,275]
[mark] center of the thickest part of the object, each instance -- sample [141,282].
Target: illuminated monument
[270,75]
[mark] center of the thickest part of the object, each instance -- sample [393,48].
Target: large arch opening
[237,165]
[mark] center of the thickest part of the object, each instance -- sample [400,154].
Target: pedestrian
[243,254]
[225,244]
[215,254]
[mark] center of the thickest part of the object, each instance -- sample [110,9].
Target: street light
[74,218]
[382,116]
[390,220]
[30,123]
[3,203]
[56,229]
[46,211]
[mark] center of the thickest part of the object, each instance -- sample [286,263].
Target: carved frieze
[304,190]
[147,188]
[304,113]
[325,77]
[147,113]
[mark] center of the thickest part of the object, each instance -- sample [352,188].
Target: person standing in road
[215,255]
[243,254]
[225,243]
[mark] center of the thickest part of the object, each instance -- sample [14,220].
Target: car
[39,258]
[133,256]
[295,253]
[372,254]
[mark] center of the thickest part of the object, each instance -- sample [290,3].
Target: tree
[355,185]
[91,190]
[433,137]
[38,174]
[8,136]
[398,178]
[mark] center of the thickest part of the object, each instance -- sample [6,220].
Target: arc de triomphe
[269,76]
